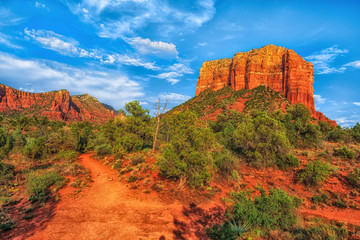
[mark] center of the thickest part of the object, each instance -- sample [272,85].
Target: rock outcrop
[278,68]
[56,105]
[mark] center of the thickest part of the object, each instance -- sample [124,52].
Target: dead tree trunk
[158,116]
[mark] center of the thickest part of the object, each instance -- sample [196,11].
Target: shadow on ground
[26,228]
[195,220]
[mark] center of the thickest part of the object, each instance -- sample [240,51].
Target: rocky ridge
[56,105]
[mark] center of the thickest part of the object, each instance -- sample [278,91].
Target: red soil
[334,185]
[113,209]
[110,210]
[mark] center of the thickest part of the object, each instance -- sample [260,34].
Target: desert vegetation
[39,156]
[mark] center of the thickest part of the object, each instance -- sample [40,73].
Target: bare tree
[158,116]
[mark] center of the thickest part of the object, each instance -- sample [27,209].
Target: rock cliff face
[278,68]
[57,105]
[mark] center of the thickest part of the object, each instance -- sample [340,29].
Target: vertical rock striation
[278,68]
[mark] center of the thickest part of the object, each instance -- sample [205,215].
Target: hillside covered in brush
[209,104]
[270,173]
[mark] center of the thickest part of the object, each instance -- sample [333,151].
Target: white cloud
[171,77]
[27,90]
[357,103]
[173,81]
[322,60]
[54,41]
[5,40]
[159,48]
[168,75]
[7,18]
[108,86]
[174,72]
[40,5]
[180,68]
[121,18]
[174,97]
[319,100]
[345,122]
[355,64]
[204,16]
[69,47]
[127,60]
[203,44]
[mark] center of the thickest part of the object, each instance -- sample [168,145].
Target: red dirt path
[110,210]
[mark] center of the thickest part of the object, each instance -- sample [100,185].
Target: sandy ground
[110,210]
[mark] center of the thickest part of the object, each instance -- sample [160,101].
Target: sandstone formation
[278,68]
[56,105]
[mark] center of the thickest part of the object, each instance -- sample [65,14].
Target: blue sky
[120,50]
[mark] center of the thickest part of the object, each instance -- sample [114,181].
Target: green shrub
[6,223]
[29,216]
[19,139]
[225,161]
[262,140]
[315,172]
[300,131]
[131,178]
[311,135]
[119,152]
[130,143]
[325,127]
[344,153]
[7,172]
[117,164]
[239,229]
[290,161]
[136,159]
[187,164]
[355,132]
[353,178]
[187,155]
[67,155]
[338,135]
[340,204]
[38,185]
[102,150]
[227,231]
[35,147]
[221,232]
[73,169]
[6,142]
[322,231]
[273,210]
[321,198]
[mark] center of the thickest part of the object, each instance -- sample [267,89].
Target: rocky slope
[278,68]
[56,105]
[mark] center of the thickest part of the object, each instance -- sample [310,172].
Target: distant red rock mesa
[278,68]
[56,105]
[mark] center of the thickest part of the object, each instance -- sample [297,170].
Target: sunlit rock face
[278,68]
[56,105]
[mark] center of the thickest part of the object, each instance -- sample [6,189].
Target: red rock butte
[278,68]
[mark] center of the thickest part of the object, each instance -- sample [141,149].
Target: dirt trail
[109,210]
